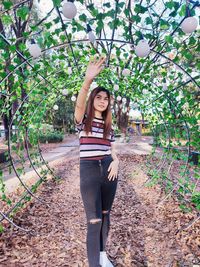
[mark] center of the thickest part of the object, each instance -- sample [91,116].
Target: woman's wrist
[116,160]
[88,81]
[86,85]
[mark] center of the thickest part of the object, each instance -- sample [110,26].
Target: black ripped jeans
[98,195]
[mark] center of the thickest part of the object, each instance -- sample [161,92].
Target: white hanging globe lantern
[180,96]
[116,87]
[142,49]
[34,49]
[112,100]
[119,98]
[171,55]
[186,106]
[124,100]
[69,70]
[65,92]
[178,68]
[91,35]
[187,79]
[126,72]
[55,107]
[165,87]
[145,91]
[93,85]
[189,24]
[69,10]
[73,98]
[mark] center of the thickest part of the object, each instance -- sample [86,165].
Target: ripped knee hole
[95,220]
[105,211]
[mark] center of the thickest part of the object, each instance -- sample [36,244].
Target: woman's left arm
[113,168]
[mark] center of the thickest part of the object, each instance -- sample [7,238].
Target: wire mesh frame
[45,78]
[112,40]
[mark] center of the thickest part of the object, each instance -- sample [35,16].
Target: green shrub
[148,133]
[42,127]
[51,137]
[117,131]
[196,199]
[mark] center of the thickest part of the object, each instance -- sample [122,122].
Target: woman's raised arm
[93,69]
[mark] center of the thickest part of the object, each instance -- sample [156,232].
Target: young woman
[98,163]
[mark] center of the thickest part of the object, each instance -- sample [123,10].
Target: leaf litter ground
[141,234]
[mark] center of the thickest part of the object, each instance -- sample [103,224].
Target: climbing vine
[152,65]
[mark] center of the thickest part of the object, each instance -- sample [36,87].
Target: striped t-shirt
[94,146]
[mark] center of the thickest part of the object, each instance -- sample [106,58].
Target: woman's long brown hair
[106,114]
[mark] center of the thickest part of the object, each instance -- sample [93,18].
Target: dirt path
[141,233]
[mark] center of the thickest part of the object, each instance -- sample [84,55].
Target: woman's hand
[113,168]
[94,68]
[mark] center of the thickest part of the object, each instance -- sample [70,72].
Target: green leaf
[22,47]
[164,24]
[94,11]
[111,24]
[1,228]
[173,14]
[9,202]
[23,12]
[63,37]
[12,48]
[11,67]
[25,34]
[169,5]
[83,17]
[107,4]
[118,52]
[40,41]
[3,197]
[154,14]
[57,2]
[121,5]
[100,16]
[48,25]
[79,27]
[7,4]
[126,12]
[140,9]
[111,13]
[34,27]
[188,55]
[148,20]
[6,19]
[57,31]
[2,44]
[136,18]
[56,20]
[62,57]
[192,41]
[169,39]
[99,26]
[182,11]
[47,34]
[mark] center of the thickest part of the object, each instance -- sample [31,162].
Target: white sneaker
[104,261]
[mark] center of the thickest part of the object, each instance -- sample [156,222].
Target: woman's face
[101,101]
